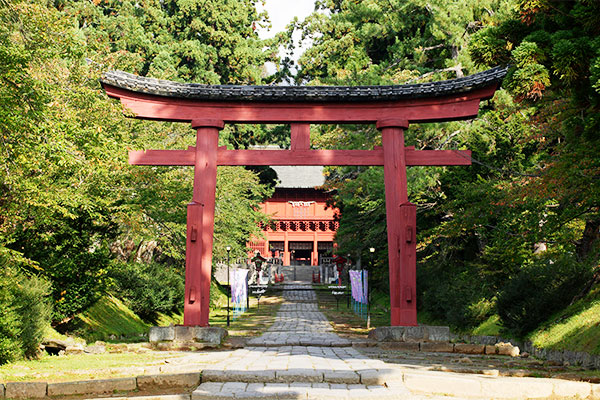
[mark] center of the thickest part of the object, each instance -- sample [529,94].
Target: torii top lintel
[387,106]
[185,102]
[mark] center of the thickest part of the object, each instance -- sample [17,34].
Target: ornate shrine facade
[302,228]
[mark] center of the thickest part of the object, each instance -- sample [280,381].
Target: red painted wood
[301,157]
[445,108]
[300,139]
[393,123]
[394,169]
[201,216]
[192,307]
[405,313]
[437,157]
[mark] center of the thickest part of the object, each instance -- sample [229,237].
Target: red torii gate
[391,108]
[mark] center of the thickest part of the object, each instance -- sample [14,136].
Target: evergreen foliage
[530,200]
[25,313]
[69,200]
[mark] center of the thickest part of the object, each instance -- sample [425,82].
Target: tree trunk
[590,239]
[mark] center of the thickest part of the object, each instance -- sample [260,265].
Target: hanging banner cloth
[359,285]
[355,283]
[239,287]
[365,286]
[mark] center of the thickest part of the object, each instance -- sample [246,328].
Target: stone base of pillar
[186,337]
[421,333]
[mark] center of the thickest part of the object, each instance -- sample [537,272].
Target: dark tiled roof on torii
[197,91]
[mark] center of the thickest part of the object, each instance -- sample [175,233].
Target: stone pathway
[300,357]
[299,322]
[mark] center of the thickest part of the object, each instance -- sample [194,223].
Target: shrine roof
[299,176]
[165,88]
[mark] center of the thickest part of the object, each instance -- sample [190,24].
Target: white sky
[281,13]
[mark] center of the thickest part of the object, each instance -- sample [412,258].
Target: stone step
[319,339]
[304,375]
[294,390]
[153,397]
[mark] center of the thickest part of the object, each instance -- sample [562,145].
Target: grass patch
[253,322]
[576,328]
[82,366]
[109,317]
[345,320]
[490,327]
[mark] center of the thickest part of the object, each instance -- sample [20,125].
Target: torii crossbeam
[391,108]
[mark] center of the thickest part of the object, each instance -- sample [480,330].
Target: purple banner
[365,286]
[239,291]
[359,285]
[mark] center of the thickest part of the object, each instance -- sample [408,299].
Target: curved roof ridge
[198,91]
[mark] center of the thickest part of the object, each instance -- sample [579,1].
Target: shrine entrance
[390,108]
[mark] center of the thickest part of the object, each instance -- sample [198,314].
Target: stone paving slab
[292,390]
[156,397]
[280,358]
[299,322]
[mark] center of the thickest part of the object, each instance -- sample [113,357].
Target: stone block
[74,349]
[165,381]
[490,349]
[487,340]
[255,376]
[444,383]
[95,349]
[402,346]
[214,375]
[2,390]
[507,349]
[510,388]
[97,386]
[554,355]
[211,334]
[466,348]
[596,391]
[421,333]
[209,391]
[437,347]
[184,333]
[161,334]
[25,390]
[341,377]
[380,377]
[437,333]
[571,389]
[298,375]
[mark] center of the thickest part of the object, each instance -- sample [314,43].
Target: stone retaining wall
[559,356]
[37,390]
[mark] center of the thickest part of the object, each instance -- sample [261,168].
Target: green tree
[68,196]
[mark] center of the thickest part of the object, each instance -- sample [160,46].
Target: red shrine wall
[302,228]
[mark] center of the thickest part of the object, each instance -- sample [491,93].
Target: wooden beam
[300,157]
[429,109]
[300,139]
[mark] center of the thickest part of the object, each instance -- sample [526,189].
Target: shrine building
[303,226]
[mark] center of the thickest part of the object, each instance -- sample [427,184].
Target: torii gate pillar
[200,224]
[401,225]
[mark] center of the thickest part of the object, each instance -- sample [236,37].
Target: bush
[539,290]
[149,289]
[26,313]
[455,294]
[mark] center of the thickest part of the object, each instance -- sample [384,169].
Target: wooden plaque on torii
[392,108]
